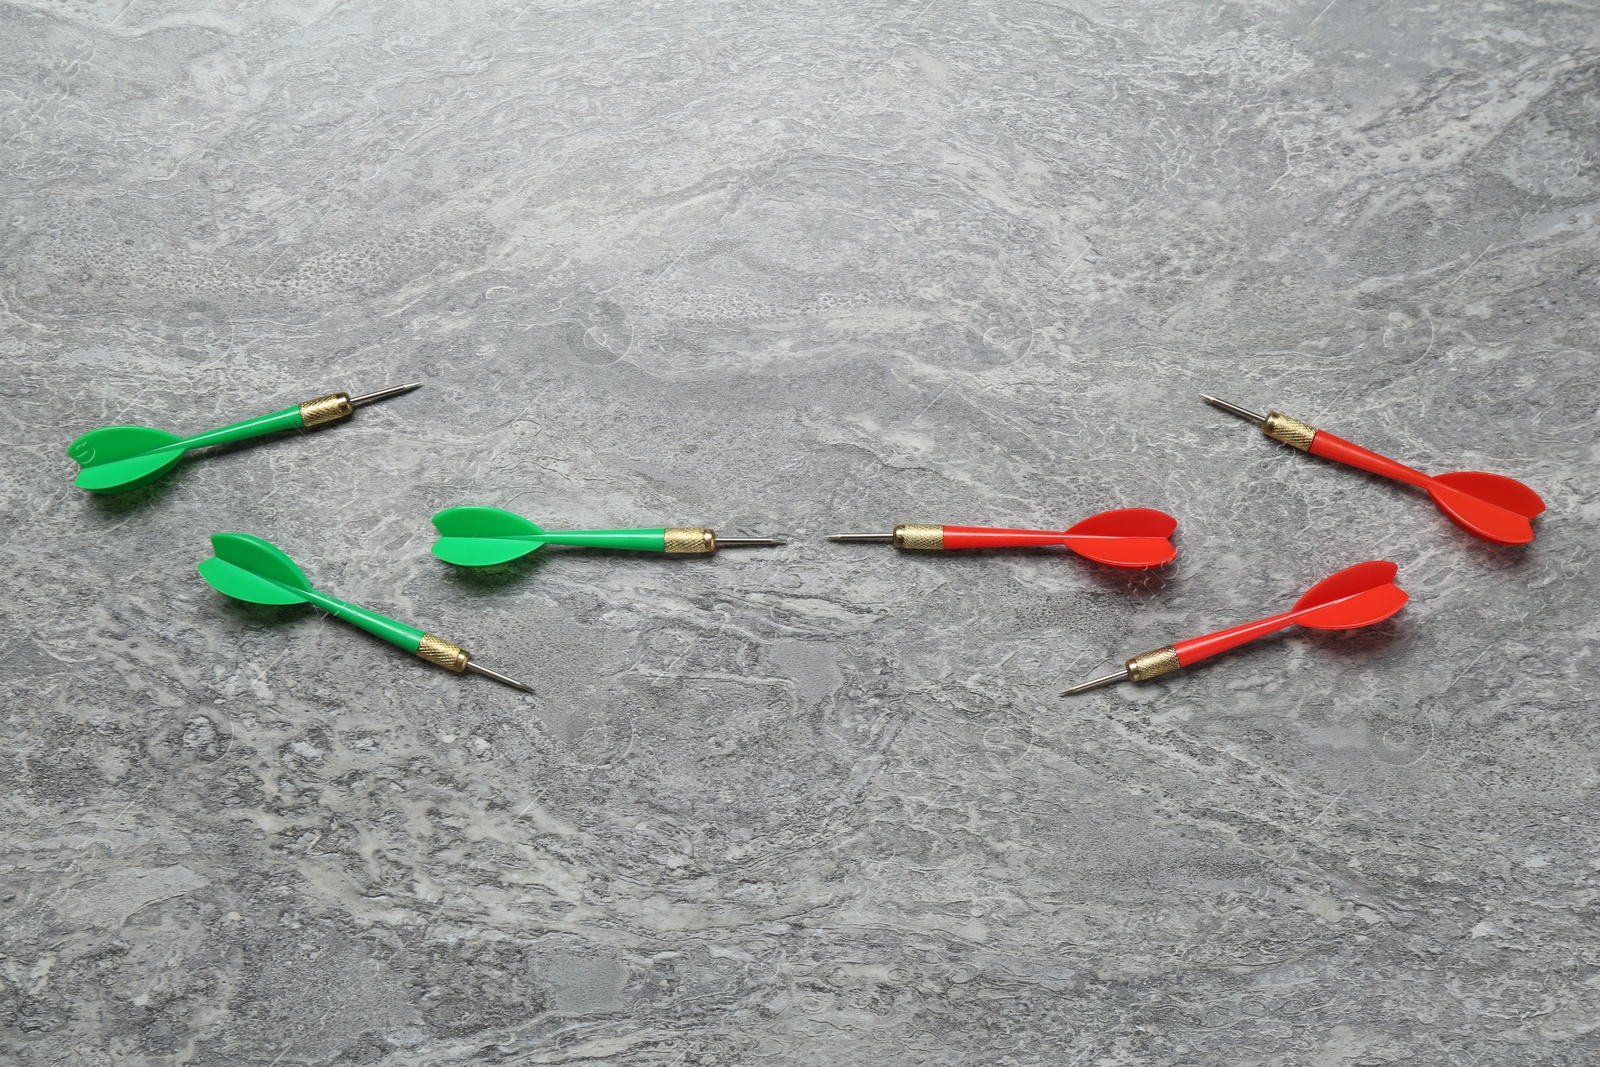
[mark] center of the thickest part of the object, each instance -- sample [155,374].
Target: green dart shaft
[396,633]
[419,643]
[118,458]
[631,540]
[288,419]
[329,408]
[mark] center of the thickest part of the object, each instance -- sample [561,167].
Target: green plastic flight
[482,537]
[258,572]
[116,459]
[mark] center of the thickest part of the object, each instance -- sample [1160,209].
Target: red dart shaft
[1339,450]
[1130,551]
[997,537]
[1489,506]
[1352,598]
[1205,646]
[1490,519]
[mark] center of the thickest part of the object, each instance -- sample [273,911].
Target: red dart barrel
[1354,597]
[1490,506]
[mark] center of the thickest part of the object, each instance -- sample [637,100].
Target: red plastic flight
[1489,506]
[1134,538]
[1355,597]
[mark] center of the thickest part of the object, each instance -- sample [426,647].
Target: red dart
[1127,537]
[1490,506]
[1355,597]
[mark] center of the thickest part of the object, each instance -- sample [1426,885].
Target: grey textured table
[797,269]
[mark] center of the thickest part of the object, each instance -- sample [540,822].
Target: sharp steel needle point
[1243,413]
[383,394]
[1096,683]
[478,668]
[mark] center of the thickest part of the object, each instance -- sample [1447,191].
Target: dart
[118,458]
[480,537]
[1127,537]
[1355,597]
[250,569]
[1489,506]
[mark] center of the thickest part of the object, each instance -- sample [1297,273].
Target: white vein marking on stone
[1451,283]
[932,402]
[1074,263]
[1329,808]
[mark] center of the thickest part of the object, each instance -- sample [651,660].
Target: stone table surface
[795,269]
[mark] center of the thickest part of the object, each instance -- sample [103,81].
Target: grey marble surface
[795,269]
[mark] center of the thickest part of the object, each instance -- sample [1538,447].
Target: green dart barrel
[116,459]
[258,572]
[481,537]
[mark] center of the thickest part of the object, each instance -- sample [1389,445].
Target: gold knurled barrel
[1290,431]
[1147,665]
[919,535]
[446,654]
[326,409]
[690,541]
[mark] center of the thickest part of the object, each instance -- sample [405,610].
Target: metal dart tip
[383,394]
[1235,409]
[1096,683]
[862,538]
[747,542]
[477,668]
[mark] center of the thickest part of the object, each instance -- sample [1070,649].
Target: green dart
[118,458]
[248,568]
[479,537]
